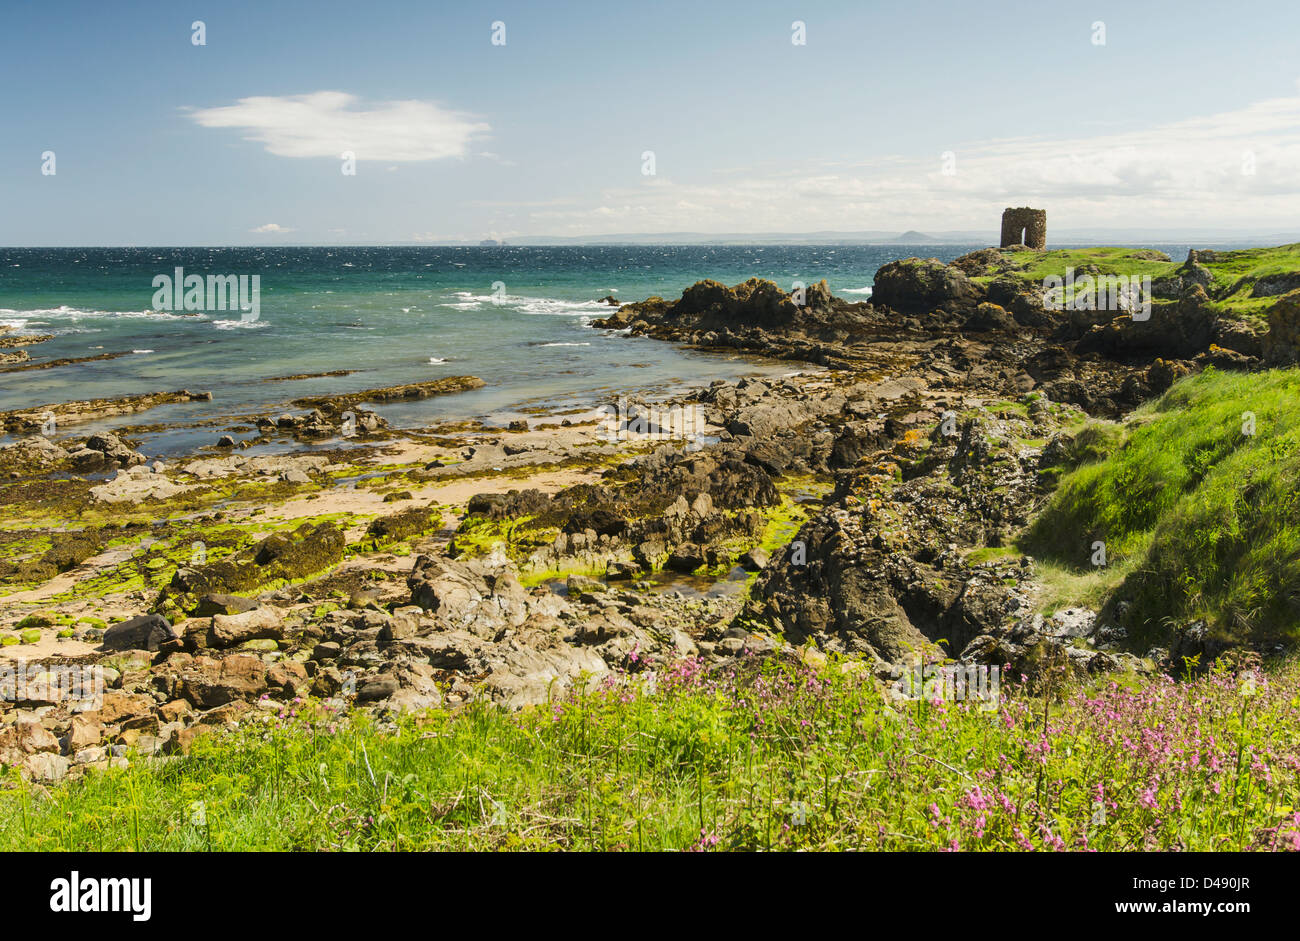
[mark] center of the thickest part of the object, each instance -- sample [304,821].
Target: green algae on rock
[279,558]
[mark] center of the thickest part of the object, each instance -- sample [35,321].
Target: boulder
[989,318]
[46,767]
[114,450]
[117,705]
[920,286]
[218,603]
[209,683]
[1281,345]
[34,737]
[145,632]
[229,630]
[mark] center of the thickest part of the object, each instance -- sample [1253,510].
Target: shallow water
[516,317]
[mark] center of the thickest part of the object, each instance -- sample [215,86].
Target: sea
[517,317]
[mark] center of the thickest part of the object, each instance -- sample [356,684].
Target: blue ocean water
[514,316]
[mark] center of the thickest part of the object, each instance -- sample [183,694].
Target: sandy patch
[49,647]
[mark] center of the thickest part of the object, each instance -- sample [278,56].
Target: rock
[686,558]
[134,487]
[182,739]
[404,624]
[228,630]
[217,603]
[850,447]
[328,650]
[410,700]
[290,677]
[650,554]
[989,318]
[412,521]
[376,687]
[530,677]
[577,584]
[83,733]
[227,715]
[208,683]
[46,767]
[480,596]
[621,571]
[226,441]
[287,557]
[1195,643]
[174,710]
[1271,285]
[415,390]
[117,706]
[1281,345]
[34,737]
[145,632]
[87,460]
[755,560]
[114,450]
[916,286]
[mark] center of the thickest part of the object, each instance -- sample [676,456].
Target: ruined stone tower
[1024,226]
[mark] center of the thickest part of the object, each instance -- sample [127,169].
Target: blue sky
[1187,117]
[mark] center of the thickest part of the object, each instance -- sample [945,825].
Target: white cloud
[327,123]
[270,228]
[1192,172]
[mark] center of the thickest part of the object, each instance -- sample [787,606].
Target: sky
[504,120]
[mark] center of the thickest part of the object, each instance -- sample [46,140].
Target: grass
[773,756]
[1195,498]
[1035,266]
[1234,273]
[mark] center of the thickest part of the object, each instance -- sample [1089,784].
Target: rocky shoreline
[866,509]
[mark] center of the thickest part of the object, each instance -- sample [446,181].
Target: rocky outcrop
[712,305]
[29,420]
[67,551]
[288,557]
[103,451]
[448,385]
[138,483]
[924,286]
[146,632]
[1281,345]
[660,502]
[1190,275]
[331,419]
[885,572]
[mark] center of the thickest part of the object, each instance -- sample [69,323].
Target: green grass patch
[772,757]
[1201,516]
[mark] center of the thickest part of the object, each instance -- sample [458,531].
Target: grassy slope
[1035,266]
[1235,272]
[1200,520]
[794,757]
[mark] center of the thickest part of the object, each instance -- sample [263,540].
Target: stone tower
[1024,226]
